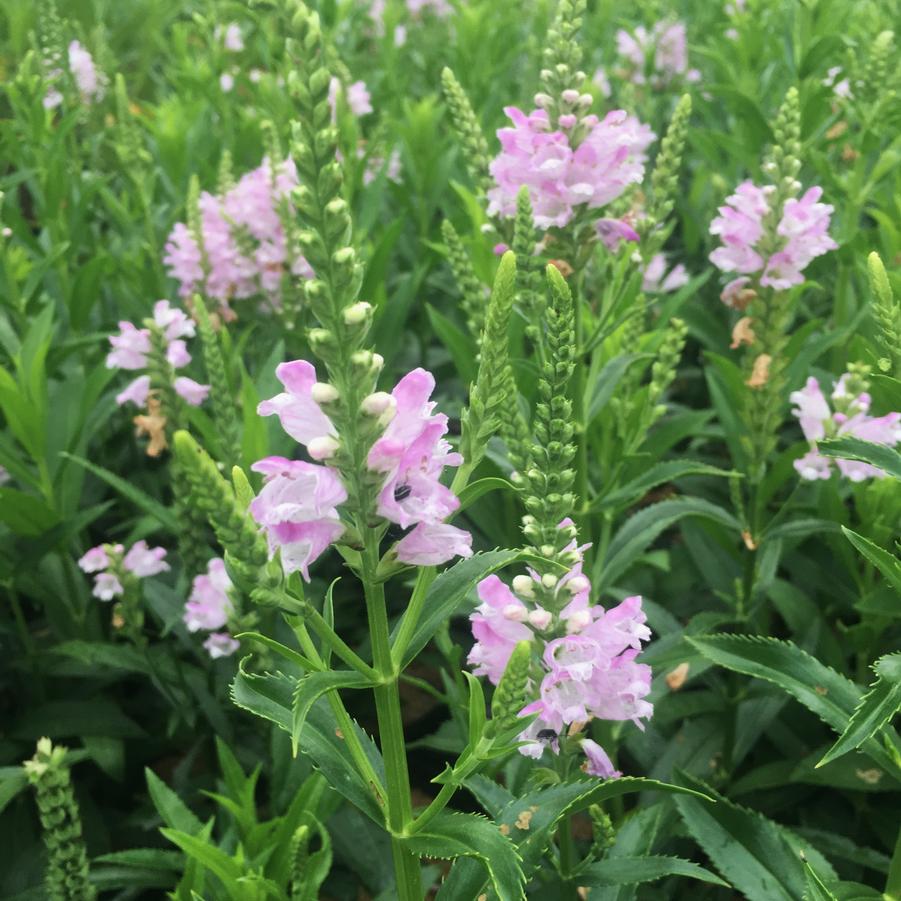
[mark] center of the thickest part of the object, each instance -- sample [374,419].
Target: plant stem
[391,730]
[893,883]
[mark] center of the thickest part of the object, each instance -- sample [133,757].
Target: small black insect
[546,735]
[402,492]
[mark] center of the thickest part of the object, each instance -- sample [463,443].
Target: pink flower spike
[192,392]
[145,561]
[221,644]
[94,560]
[301,417]
[136,392]
[431,544]
[597,763]
[130,348]
[208,606]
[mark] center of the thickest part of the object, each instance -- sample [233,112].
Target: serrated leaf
[816,889]
[448,592]
[474,490]
[658,474]
[831,696]
[211,858]
[310,689]
[759,857]
[875,709]
[280,649]
[630,870]
[170,807]
[452,835]
[847,447]
[886,563]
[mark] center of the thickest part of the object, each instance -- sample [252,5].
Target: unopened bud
[319,337]
[570,95]
[548,550]
[543,101]
[548,580]
[577,584]
[357,313]
[524,586]
[377,403]
[568,120]
[540,618]
[324,393]
[323,448]
[514,612]
[578,621]
[585,100]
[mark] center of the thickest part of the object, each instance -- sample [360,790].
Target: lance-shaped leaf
[885,562]
[630,870]
[831,696]
[310,689]
[850,448]
[452,835]
[875,710]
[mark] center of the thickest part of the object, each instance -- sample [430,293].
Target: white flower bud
[549,580]
[324,393]
[323,448]
[570,95]
[486,228]
[540,618]
[543,101]
[577,584]
[548,550]
[585,100]
[578,621]
[514,612]
[357,313]
[362,359]
[378,361]
[524,586]
[377,403]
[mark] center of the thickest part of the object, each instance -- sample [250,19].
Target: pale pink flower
[87,79]
[297,508]
[430,544]
[130,348]
[145,561]
[301,417]
[107,586]
[209,605]
[94,560]
[136,392]
[602,82]
[221,644]
[226,82]
[597,762]
[812,410]
[656,280]
[190,391]
[614,231]
[497,626]
[232,39]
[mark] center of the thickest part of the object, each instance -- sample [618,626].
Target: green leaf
[816,890]
[666,471]
[640,530]
[280,649]
[886,563]
[452,835]
[149,858]
[876,708]
[312,687]
[849,448]
[474,490]
[760,858]
[12,781]
[211,858]
[458,344]
[822,690]
[26,514]
[448,593]
[271,696]
[170,807]
[477,710]
[629,870]
[165,517]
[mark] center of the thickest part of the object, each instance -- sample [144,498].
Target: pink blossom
[562,178]
[661,54]
[94,560]
[190,391]
[130,348]
[209,605]
[497,626]
[733,293]
[145,561]
[226,82]
[655,278]
[297,508]
[812,410]
[301,417]
[107,586]
[356,95]
[87,80]
[597,763]
[614,231]
[136,392]
[432,543]
[221,644]
[231,37]
[602,82]
[813,466]
[172,322]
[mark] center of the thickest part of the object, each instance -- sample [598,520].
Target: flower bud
[548,580]
[540,618]
[320,337]
[577,584]
[514,612]
[524,586]
[543,101]
[568,120]
[548,550]
[585,100]
[570,96]
[357,313]
[324,393]
[377,403]
[578,621]
[323,448]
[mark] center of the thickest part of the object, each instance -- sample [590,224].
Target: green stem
[411,615]
[438,803]
[893,883]
[567,856]
[330,637]
[391,729]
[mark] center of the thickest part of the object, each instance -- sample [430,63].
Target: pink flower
[145,561]
[430,544]
[356,96]
[130,348]
[208,606]
[654,279]
[192,392]
[94,560]
[221,644]
[107,586]
[614,231]
[301,417]
[812,409]
[597,763]
[297,508]
[88,82]
[226,82]
[136,393]
[661,52]
[172,322]
[813,466]
[602,82]
[497,626]
[232,39]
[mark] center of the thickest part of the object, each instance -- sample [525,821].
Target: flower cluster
[111,565]
[752,245]
[133,346]
[90,83]
[584,164]
[208,608]
[584,664]
[850,416]
[656,280]
[242,249]
[298,504]
[657,57]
